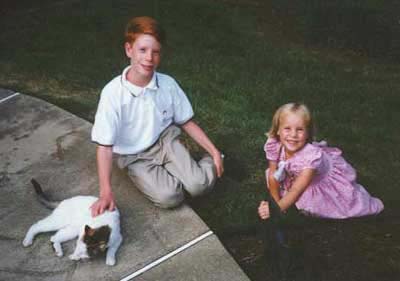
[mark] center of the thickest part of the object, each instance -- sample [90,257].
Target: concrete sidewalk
[41,141]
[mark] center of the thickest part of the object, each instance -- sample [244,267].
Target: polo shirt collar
[136,90]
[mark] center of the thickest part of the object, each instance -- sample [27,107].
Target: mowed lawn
[226,57]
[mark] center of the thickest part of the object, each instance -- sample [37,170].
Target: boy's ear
[128,49]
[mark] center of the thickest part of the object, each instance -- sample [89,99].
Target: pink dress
[333,192]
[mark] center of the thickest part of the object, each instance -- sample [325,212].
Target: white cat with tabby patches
[72,218]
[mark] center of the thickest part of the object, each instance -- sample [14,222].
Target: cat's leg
[50,223]
[64,234]
[115,242]
[80,251]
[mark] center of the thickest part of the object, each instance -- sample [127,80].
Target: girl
[312,176]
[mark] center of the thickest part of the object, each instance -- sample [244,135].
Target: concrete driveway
[39,140]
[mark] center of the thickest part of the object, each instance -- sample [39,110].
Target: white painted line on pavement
[9,97]
[167,256]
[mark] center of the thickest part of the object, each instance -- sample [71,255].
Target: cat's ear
[88,230]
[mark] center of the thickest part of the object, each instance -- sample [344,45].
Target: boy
[137,117]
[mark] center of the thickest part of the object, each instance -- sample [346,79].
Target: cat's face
[96,239]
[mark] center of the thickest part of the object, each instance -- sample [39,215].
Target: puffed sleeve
[312,157]
[271,149]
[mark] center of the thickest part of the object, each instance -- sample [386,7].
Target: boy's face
[145,56]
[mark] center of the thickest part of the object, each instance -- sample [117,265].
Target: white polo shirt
[131,118]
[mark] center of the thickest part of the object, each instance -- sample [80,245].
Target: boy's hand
[219,164]
[102,204]
[263,210]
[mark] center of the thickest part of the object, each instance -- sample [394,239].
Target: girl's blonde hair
[296,108]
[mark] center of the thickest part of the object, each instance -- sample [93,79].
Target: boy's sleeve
[271,149]
[105,126]
[183,110]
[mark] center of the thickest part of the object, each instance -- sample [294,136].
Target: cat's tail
[42,197]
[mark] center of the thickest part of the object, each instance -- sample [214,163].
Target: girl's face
[292,133]
[144,54]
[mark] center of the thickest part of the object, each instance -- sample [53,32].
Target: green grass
[367,27]
[65,52]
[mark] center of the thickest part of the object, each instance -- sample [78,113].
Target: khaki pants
[166,169]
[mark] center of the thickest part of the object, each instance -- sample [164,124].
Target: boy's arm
[104,167]
[199,136]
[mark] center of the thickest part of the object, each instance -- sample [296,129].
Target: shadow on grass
[361,249]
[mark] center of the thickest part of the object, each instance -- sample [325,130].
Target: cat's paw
[27,242]
[110,261]
[74,257]
[58,249]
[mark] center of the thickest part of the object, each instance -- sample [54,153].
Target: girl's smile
[292,133]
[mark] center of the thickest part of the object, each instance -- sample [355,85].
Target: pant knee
[198,186]
[168,200]
[204,180]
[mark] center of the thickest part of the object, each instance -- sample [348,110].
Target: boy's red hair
[143,25]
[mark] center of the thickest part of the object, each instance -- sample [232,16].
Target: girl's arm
[299,185]
[198,135]
[273,184]
[297,188]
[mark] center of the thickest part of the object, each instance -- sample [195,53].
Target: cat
[72,218]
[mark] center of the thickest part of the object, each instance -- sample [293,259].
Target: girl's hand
[263,210]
